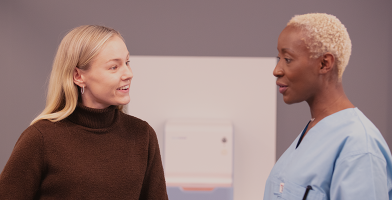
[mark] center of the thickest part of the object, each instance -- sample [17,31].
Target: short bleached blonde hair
[325,33]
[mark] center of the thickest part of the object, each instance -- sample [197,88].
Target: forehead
[293,39]
[114,48]
[114,45]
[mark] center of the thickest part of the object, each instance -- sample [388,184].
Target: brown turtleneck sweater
[92,154]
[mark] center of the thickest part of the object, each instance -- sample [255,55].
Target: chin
[124,102]
[120,102]
[290,101]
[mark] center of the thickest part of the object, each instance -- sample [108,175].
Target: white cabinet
[199,159]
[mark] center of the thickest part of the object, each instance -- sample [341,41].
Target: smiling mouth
[125,87]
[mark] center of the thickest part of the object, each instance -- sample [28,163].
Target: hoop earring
[82,90]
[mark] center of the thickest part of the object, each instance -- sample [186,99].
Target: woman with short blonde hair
[82,146]
[340,154]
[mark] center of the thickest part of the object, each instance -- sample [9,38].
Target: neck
[93,118]
[330,99]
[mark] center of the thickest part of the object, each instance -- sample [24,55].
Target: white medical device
[198,159]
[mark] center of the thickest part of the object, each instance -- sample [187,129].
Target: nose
[278,71]
[127,75]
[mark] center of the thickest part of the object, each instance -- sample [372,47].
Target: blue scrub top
[344,156]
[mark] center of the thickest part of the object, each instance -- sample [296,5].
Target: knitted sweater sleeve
[154,184]
[21,176]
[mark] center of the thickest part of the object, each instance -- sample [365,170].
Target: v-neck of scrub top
[302,134]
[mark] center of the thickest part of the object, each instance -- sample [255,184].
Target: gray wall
[31,31]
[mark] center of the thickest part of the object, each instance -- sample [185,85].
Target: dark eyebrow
[118,59]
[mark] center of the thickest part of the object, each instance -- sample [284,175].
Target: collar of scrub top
[302,134]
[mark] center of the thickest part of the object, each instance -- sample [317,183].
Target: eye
[277,57]
[113,68]
[127,63]
[288,60]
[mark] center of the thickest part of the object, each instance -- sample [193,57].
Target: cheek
[300,82]
[301,74]
[103,85]
[305,87]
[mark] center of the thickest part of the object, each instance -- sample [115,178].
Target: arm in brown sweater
[21,176]
[154,185]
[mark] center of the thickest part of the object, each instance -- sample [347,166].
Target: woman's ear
[327,63]
[78,78]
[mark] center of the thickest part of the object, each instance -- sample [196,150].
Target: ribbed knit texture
[92,154]
[93,118]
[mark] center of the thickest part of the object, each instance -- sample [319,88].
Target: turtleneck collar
[93,118]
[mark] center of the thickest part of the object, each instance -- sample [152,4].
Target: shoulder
[31,137]
[359,135]
[140,129]
[48,128]
[135,124]
[132,120]
[43,124]
[367,126]
[38,128]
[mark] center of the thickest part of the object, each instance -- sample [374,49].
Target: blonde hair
[77,49]
[326,34]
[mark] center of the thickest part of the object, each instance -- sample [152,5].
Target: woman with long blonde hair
[82,146]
